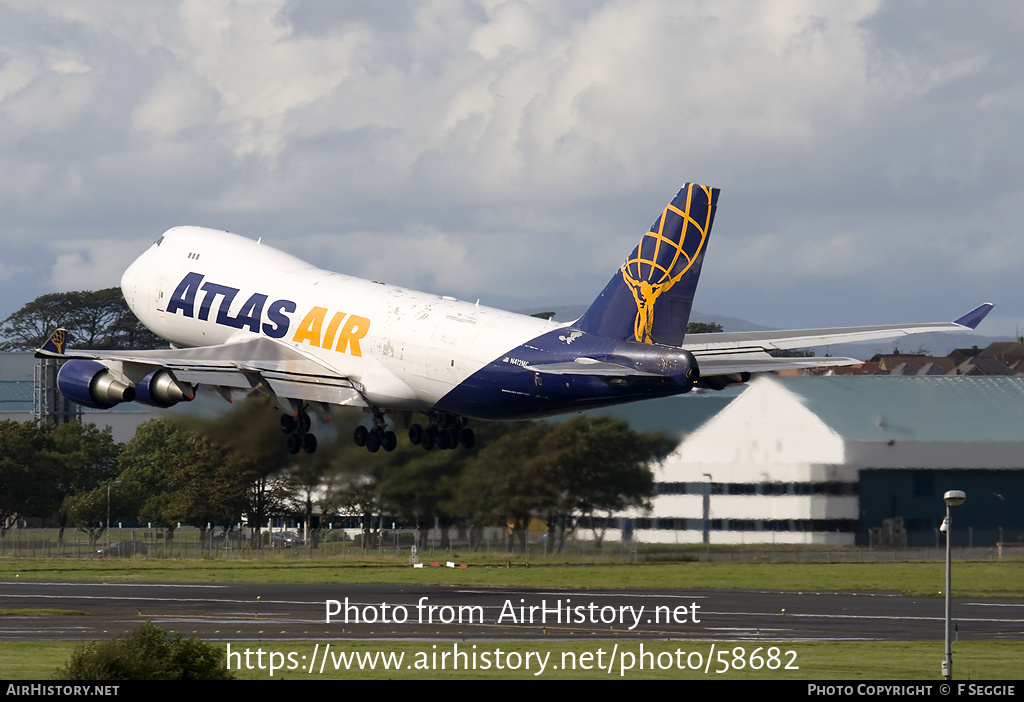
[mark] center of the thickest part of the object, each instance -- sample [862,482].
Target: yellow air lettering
[332,329]
[309,327]
[355,329]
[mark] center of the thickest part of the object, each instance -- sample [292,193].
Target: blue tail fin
[54,346]
[650,297]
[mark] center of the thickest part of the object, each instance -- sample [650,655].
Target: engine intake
[160,389]
[92,384]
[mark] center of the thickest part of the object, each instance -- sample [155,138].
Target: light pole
[109,485]
[953,498]
[707,512]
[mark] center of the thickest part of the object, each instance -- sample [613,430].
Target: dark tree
[80,458]
[23,475]
[98,319]
[703,327]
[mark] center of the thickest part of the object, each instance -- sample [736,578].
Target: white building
[829,459]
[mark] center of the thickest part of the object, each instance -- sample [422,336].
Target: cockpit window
[160,240]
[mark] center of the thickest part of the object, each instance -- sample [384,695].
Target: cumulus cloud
[862,145]
[92,265]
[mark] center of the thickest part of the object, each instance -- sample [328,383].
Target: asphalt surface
[257,612]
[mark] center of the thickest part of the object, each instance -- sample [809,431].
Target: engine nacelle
[92,384]
[160,389]
[721,382]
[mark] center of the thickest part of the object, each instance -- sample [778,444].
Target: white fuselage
[406,349]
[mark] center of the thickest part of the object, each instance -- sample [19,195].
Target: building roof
[926,408]
[16,396]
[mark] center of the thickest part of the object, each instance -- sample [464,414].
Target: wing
[258,363]
[734,352]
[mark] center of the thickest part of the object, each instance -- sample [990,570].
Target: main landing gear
[445,431]
[379,437]
[297,429]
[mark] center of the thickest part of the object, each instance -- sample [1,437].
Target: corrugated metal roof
[16,396]
[915,408]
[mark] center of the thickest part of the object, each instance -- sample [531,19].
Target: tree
[23,476]
[80,458]
[97,319]
[557,471]
[703,327]
[148,653]
[254,458]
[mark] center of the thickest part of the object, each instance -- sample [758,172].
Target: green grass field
[1003,578]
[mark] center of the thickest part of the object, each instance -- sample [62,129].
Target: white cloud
[92,265]
[852,152]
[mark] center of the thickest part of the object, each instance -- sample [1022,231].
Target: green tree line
[223,471]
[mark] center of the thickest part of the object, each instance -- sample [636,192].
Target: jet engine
[721,382]
[92,384]
[160,389]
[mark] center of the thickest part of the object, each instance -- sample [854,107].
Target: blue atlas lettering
[251,313]
[184,297]
[276,314]
[212,291]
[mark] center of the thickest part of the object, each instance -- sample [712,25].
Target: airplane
[241,315]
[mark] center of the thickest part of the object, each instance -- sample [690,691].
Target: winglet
[54,346]
[972,319]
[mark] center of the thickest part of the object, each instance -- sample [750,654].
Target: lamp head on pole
[955,498]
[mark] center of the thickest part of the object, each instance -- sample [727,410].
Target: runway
[256,612]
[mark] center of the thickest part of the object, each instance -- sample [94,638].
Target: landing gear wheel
[388,441]
[415,434]
[429,439]
[294,443]
[361,435]
[288,423]
[468,438]
[309,443]
[372,442]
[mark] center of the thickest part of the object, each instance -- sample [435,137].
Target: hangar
[846,460]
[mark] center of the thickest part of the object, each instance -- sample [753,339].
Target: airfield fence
[399,544]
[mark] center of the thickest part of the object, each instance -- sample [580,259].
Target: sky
[870,153]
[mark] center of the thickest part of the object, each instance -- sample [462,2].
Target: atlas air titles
[320,327]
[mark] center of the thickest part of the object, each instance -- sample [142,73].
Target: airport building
[846,460]
[28,392]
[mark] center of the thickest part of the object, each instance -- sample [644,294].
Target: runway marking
[155,599]
[72,583]
[859,616]
[587,593]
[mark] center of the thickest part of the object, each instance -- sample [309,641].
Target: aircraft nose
[130,283]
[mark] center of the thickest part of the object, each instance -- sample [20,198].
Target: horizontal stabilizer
[588,366]
[803,338]
[757,361]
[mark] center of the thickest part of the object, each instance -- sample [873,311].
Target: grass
[41,612]
[840,660]
[1003,578]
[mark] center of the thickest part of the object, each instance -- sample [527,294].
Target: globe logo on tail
[58,339]
[666,253]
